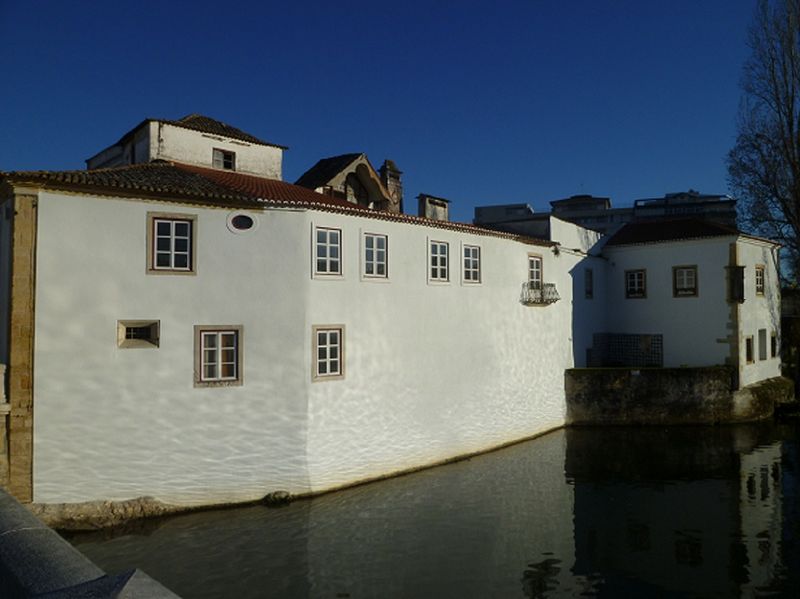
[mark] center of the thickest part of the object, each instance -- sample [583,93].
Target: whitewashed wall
[432,370]
[691,326]
[579,246]
[758,311]
[119,423]
[169,142]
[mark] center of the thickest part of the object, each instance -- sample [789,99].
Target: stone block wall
[624,396]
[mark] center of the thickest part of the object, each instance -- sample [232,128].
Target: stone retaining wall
[628,396]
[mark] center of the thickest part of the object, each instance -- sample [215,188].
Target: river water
[612,512]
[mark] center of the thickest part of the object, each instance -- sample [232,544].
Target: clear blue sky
[478,102]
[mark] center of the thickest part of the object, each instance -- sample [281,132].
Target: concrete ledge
[37,562]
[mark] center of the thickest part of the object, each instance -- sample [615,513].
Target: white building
[200,332]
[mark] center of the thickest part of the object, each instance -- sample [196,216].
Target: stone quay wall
[628,396]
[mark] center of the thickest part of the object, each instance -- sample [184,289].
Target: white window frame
[471,264]
[219,158]
[680,280]
[535,271]
[438,261]
[376,261]
[328,357]
[154,219]
[636,283]
[207,354]
[327,259]
[760,278]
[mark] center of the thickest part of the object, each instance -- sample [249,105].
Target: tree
[764,164]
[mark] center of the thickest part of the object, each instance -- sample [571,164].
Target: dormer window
[224,160]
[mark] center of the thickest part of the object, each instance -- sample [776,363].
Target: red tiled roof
[183,182]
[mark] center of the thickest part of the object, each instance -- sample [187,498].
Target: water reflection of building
[665,510]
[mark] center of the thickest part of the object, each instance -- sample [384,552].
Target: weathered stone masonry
[20,363]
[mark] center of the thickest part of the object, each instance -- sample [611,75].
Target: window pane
[162,260]
[182,229]
[181,261]
[163,244]
[381,270]
[333,237]
[322,368]
[380,242]
[369,242]
[181,245]
[163,228]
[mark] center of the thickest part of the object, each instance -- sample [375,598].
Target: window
[735,283]
[762,344]
[773,345]
[328,352]
[171,243]
[684,281]
[138,333]
[588,283]
[224,159]
[748,350]
[759,280]
[534,272]
[328,251]
[439,266]
[218,356]
[375,252]
[635,284]
[241,222]
[472,264]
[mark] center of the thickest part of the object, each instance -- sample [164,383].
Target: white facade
[158,140]
[432,369]
[702,328]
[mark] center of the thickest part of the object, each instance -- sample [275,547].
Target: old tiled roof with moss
[324,170]
[172,181]
[677,229]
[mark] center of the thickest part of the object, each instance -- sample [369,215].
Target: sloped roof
[173,181]
[324,170]
[669,230]
[198,122]
[204,124]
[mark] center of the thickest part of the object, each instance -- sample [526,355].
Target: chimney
[433,207]
[390,177]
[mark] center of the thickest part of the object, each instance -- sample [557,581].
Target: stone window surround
[635,289]
[151,342]
[150,266]
[685,291]
[198,358]
[760,278]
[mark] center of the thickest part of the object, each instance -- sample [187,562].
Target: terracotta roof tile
[182,182]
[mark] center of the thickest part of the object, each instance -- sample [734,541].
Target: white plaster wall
[588,314]
[691,326]
[758,311]
[169,142]
[116,423]
[432,370]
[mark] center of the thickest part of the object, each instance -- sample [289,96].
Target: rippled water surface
[613,512]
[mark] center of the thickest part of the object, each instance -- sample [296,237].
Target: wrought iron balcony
[538,294]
